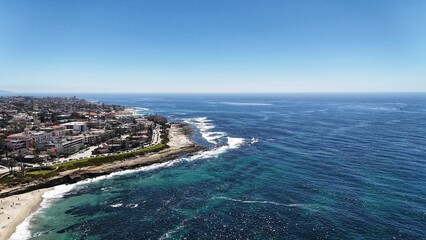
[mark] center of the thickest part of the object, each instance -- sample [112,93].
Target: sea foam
[116,205]
[205,126]
[259,202]
[246,104]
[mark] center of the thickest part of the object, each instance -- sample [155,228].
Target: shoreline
[179,144]
[15,209]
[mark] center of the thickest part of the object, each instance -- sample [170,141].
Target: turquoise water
[278,167]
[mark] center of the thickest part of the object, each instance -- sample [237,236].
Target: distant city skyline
[213,46]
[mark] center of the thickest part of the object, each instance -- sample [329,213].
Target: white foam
[132,205]
[254,140]
[259,202]
[212,136]
[204,125]
[202,119]
[116,205]
[141,108]
[235,142]
[106,189]
[246,104]
[22,230]
[370,107]
[169,234]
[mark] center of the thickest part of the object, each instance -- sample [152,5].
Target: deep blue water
[280,167]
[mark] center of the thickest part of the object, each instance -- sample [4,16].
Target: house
[95,136]
[19,141]
[58,131]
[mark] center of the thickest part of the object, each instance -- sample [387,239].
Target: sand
[14,210]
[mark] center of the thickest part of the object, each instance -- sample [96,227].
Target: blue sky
[213,46]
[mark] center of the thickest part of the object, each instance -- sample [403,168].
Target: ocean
[278,166]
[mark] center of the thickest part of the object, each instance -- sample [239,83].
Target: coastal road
[156,137]
[86,153]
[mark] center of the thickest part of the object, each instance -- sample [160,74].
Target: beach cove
[19,203]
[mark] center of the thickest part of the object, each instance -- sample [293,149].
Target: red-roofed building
[19,141]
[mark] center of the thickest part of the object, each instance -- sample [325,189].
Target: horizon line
[200,93]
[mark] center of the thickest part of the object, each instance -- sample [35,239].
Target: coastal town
[44,131]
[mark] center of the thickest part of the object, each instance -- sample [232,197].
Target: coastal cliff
[178,145]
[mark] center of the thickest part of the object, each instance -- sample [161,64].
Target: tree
[54,118]
[23,168]
[157,119]
[11,163]
[3,146]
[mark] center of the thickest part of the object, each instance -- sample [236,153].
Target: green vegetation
[7,180]
[99,160]
[41,174]
[54,170]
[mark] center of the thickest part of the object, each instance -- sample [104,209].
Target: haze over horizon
[213,46]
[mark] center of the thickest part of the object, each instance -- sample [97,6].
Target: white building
[77,127]
[41,137]
[70,146]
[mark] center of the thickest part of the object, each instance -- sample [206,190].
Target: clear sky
[213,46]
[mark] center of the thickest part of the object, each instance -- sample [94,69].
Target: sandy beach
[14,210]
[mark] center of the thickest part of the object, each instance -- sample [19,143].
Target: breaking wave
[204,125]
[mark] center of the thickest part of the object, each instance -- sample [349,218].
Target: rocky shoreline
[179,145]
[86,173]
